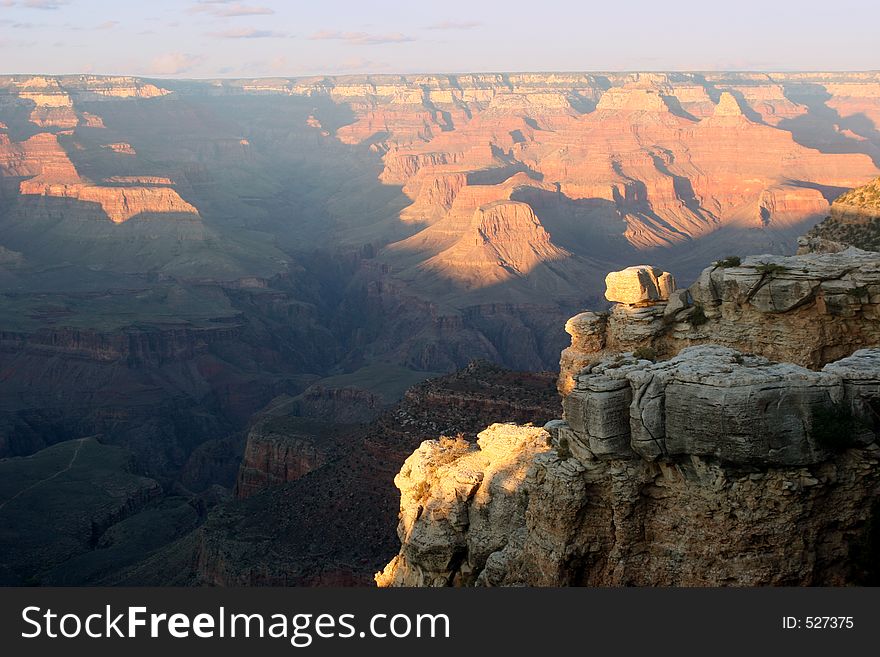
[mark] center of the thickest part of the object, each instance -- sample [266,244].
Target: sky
[270,38]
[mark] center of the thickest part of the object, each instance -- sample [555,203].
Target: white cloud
[174,63]
[225,9]
[44,4]
[361,38]
[248,33]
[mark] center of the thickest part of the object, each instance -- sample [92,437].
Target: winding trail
[79,443]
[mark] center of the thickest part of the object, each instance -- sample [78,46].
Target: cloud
[15,43]
[223,9]
[454,25]
[174,63]
[43,4]
[107,25]
[361,38]
[248,33]
[244,10]
[261,67]
[361,64]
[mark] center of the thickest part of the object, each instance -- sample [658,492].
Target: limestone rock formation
[683,457]
[727,106]
[712,402]
[457,500]
[712,468]
[807,309]
[638,285]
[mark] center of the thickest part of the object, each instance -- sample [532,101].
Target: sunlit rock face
[458,499]
[808,309]
[51,173]
[854,221]
[639,285]
[685,456]
[658,474]
[659,160]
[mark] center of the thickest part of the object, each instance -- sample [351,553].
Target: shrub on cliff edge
[834,427]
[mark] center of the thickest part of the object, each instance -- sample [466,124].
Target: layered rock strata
[854,221]
[712,468]
[808,309]
[715,466]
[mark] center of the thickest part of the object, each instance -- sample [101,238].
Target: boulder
[640,284]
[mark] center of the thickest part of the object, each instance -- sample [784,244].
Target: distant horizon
[440,73]
[247,39]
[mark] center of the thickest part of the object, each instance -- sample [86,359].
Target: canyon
[228,280]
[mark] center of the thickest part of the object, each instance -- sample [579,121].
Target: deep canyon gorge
[231,311]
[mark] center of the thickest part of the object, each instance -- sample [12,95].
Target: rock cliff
[334,524]
[280,450]
[685,456]
[807,309]
[854,221]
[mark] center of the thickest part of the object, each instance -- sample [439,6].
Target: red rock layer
[49,172]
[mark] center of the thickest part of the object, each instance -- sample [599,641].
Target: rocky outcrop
[716,403]
[616,522]
[451,492]
[51,173]
[854,221]
[638,285]
[683,457]
[119,203]
[808,309]
[863,201]
[712,468]
[121,147]
[505,239]
[279,450]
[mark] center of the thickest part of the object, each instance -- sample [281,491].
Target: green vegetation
[866,197]
[858,292]
[729,261]
[698,315]
[861,232]
[56,505]
[563,450]
[834,427]
[645,353]
[770,268]
[387,380]
[451,449]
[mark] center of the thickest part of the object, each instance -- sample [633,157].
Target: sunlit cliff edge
[726,434]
